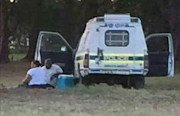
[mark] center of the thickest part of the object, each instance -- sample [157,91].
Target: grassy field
[161,97]
[16,56]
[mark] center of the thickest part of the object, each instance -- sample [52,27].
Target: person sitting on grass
[51,71]
[35,77]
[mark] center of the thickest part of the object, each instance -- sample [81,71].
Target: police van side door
[161,54]
[53,45]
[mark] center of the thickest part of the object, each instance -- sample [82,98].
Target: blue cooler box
[65,81]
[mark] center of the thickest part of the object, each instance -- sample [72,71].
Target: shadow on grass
[163,83]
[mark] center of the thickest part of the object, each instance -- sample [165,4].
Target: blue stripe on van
[136,58]
[94,57]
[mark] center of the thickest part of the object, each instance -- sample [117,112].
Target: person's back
[38,76]
[35,77]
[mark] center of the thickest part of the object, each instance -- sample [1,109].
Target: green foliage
[16,56]
[69,17]
[18,51]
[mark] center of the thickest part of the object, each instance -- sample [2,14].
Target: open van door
[161,55]
[53,45]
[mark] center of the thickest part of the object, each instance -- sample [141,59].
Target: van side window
[53,43]
[117,38]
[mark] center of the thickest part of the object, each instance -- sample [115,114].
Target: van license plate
[115,72]
[107,71]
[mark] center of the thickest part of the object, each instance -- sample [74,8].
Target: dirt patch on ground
[11,74]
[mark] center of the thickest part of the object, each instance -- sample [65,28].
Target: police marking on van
[117,25]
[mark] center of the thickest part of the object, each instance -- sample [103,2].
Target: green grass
[16,57]
[161,97]
[163,83]
[157,99]
[98,100]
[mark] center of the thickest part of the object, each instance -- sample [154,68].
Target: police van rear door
[161,54]
[116,47]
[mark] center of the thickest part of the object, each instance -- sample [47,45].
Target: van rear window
[117,38]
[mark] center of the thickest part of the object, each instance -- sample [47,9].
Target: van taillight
[86,61]
[146,62]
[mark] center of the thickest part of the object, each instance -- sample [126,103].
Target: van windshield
[52,43]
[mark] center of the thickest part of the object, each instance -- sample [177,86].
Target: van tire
[126,86]
[127,82]
[138,82]
[110,81]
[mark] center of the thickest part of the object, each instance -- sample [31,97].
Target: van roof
[123,18]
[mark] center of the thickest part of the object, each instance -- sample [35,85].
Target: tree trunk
[32,44]
[5,50]
[35,31]
[1,26]
[4,54]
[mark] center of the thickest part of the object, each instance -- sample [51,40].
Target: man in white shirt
[51,71]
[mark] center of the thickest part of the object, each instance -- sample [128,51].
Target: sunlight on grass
[16,57]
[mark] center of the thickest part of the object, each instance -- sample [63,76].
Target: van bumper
[86,72]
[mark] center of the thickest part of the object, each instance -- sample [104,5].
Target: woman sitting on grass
[35,77]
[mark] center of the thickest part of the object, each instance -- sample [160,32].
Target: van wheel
[126,86]
[127,83]
[110,81]
[86,81]
[76,81]
[138,82]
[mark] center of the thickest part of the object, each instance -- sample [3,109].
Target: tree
[69,17]
[88,9]
[35,13]
[171,12]
[67,24]
[1,26]
[44,17]
[6,11]
[147,11]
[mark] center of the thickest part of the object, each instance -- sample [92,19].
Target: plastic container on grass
[65,81]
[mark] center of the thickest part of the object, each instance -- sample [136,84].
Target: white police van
[114,48]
